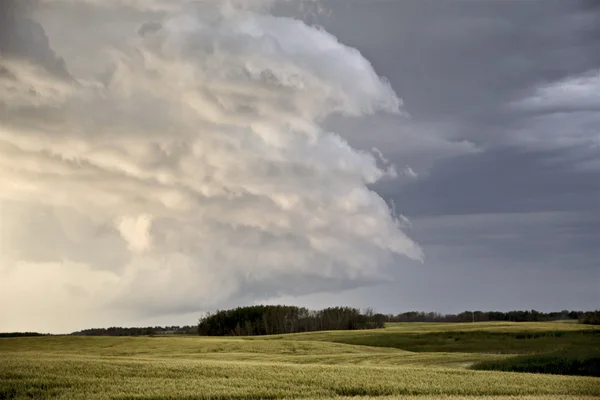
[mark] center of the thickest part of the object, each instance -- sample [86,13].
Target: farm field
[402,361]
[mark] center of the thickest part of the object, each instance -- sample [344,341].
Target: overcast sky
[159,159]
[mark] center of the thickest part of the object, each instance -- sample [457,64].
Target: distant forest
[21,334]
[585,317]
[143,331]
[268,320]
[272,320]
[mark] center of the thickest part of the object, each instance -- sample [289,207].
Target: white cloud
[563,114]
[136,231]
[226,6]
[201,162]
[573,93]
[53,297]
[408,171]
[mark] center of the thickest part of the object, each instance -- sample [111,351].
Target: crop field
[402,361]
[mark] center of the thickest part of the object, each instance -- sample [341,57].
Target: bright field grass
[296,366]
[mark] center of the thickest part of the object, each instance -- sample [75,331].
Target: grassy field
[386,363]
[557,363]
[489,337]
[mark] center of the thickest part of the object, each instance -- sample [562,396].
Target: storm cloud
[188,155]
[197,160]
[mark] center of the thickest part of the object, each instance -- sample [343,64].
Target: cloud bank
[194,172]
[563,115]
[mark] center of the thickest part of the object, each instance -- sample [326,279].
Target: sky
[160,159]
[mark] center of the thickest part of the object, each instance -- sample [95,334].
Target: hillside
[481,337]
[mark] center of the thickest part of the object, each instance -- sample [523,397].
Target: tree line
[268,320]
[139,331]
[21,334]
[590,317]
[484,316]
[271,320]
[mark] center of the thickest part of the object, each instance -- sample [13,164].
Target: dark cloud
[499,181]
[24,38]
[507,261]
[149,28]
[460,60]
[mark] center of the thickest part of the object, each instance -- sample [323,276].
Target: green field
[411,360]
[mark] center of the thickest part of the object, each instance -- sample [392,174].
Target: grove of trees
[590,317]
[269,320]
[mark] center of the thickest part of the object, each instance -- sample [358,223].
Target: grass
[490,337]
[310,366]
[559,364]
[479,341]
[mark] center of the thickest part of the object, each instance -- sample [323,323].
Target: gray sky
[507,200]
[147,179]
[515,223]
